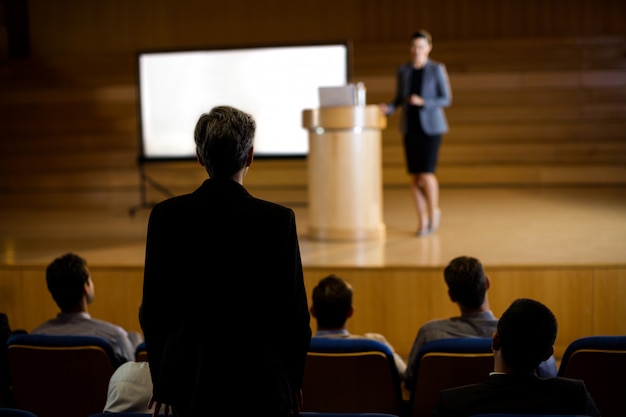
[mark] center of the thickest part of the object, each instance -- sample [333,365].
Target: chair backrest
[15,412]
[525,415]
[317,414]
[600,361]
[141,354]
[448,363]
[55,376]
[120,414]
[350,375]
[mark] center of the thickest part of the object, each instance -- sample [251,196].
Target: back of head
[224,139]
[332,301]
[66,277]
[466,281]
[527,331]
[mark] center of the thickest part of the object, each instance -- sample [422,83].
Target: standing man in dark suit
[524,337]
[224,311]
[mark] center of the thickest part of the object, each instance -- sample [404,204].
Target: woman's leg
[426,190]
[431,192]
[420,205]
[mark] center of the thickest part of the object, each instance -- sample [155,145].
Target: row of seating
[348,375]
[10,412]
[341,375]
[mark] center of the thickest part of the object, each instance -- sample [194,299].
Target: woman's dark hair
[424,34]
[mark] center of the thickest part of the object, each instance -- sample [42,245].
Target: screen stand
[145,179]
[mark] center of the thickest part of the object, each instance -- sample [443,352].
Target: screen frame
[142,158]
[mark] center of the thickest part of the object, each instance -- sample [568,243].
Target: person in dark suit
[224,311]
[524,337]
[422,91]
[5,378]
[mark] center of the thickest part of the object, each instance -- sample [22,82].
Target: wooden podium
[345,172]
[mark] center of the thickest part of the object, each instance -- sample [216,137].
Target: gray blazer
[436,93]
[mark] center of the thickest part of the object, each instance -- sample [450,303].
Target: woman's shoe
[423,232]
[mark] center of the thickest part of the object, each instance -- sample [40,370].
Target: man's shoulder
[453,327]
[107,325]
[563,383]
[41,328]
[171,204]
[376,336]
[437,324]
[555,384]
[271,206]
[461,322]
[229,195]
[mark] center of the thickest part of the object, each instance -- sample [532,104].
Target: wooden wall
[78,27]
[394,301]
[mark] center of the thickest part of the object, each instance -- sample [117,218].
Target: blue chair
[525,415]
[15,412]
[302,414]
[60,375]
[124,414]
[600,361]
[315,414]
[141,354]
[350,375]
[448,363]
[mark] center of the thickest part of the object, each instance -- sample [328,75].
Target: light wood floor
[501,226]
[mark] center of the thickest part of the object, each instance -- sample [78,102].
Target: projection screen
[273,83]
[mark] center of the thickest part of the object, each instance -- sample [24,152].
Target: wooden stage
[565,246]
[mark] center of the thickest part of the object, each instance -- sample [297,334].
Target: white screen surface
[273,84]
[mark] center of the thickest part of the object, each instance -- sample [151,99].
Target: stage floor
[565,226]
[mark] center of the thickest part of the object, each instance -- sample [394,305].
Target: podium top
[366,117]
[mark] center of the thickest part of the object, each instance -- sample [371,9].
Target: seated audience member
[467,287]
[130,389]
[5,378]
[524,337]
[332,307]
[6,396]
[69,281]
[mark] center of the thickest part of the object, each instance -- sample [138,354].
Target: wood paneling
[79,27]
[394,301]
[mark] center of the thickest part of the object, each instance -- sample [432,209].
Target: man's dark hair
[466,281]
[66,277]
[224,139]
[332,300]
[527,331]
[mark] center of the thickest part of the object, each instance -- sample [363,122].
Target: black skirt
[421,150]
